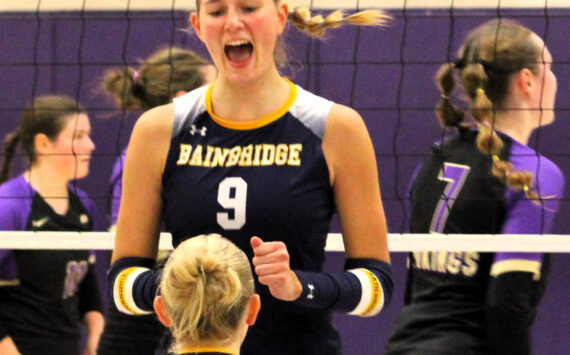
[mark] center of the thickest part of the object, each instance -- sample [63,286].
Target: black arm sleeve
[512,301]
[89,294]
[3,331]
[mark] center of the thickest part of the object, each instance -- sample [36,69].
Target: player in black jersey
[45,293]
[165,74]
[208,298]
[483,180]
[264,163]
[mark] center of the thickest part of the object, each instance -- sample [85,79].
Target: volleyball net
[386,74]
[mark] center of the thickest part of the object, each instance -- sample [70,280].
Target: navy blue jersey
[265,178]
[40,289]
[447,293]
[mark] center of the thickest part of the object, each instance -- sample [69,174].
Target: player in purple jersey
[208,298]
[45,293]
[484,180]
[265,163]
[165,74]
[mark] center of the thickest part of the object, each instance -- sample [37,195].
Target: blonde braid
[316,26]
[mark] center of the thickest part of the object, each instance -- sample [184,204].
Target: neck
[515,123]
[47,181]
[247,101]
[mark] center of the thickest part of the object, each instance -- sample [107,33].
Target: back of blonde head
[206,285]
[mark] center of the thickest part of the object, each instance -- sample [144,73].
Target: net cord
[546,243]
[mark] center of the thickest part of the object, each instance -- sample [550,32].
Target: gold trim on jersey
[211,349]
[513,265]
[15,282]
[257,123]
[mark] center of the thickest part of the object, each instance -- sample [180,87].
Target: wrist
[297,286]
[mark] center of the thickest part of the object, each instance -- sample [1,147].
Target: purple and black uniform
[45,293]
[470,302]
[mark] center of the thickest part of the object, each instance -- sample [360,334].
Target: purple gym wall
[392,87]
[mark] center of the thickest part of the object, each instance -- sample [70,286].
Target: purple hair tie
[135,76]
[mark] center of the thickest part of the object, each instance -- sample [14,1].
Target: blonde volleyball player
[265,163]
[207,296]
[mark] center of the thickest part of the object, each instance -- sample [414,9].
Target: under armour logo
[194,130]
[310,296]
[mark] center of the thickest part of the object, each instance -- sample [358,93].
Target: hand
[271,262]
[7,347]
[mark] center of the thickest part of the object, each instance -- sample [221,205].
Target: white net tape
[142,5]
[547,243]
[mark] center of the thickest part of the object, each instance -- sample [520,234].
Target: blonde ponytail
[316,26]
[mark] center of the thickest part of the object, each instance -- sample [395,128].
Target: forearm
[133,285]
[511,309]
[7,346]
[363,289]
[94,323]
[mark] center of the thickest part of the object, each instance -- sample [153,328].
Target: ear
[282,17]
[160,310]
[195,21]
[525,81]
[253,309]
[41,143]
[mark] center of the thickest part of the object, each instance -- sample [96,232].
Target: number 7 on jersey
[454,175]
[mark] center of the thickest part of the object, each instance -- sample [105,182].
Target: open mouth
[238,51]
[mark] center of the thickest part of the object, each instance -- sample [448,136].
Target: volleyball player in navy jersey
[265,163]
[163,75]
[208,298]
[484,180]
[45,293]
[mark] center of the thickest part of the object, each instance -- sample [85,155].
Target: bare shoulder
[345,117]
[157,121]
[346,142]
[151,136]
[345,128]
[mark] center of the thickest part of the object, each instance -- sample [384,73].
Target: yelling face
[240,35]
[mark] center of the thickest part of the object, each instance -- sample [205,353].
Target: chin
[81,173]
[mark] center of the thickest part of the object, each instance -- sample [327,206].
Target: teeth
[237,43]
